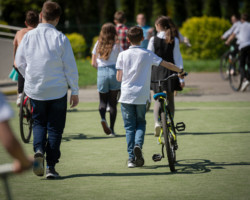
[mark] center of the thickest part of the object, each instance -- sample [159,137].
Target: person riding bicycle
[243,34]
[134,72]
[7,138]
[31,22]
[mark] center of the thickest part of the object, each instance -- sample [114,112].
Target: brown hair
[106,40]
[51,10]
[244,16]
[120,17]
[32,18]
[163,22]
[135,34]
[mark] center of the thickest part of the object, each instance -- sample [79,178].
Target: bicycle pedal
[180,126]
[157,157]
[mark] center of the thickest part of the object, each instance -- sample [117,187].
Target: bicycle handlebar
[168,78]
[6,169]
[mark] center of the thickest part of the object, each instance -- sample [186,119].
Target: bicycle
[227,62]
[5,171]
[168,128]
[25,118]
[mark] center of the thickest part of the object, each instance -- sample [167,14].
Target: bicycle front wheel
[25,118]
[224,66]
[168,142]
[235,78]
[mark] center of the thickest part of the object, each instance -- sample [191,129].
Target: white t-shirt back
[136,64]
[112,58]
[243,34]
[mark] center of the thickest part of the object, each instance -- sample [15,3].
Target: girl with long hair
[166,45]
[104,56]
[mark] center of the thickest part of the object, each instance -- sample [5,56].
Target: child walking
[166,46]
[104,56]
[134,71]
[46,60]
[31,22]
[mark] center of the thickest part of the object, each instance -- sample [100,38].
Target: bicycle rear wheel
[25,118]
[235,78]
[224,66]
[168,141]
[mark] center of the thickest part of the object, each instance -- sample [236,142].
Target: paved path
[204,87]
[6,58]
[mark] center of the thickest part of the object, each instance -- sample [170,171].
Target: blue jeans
[106,79]
[49,119]
[135,126]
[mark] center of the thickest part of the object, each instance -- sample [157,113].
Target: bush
[204,34]
[78,44]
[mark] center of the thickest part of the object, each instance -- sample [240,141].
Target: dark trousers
[244,54]
[20,84]
[49,121]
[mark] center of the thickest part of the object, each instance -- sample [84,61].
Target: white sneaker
[18,101]
[157,129]
[131,164]
[244,85]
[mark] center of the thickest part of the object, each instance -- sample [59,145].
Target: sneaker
[38,166]
[157,129]
[244,85]
[18,101]
[139,160]
[105,127]
[51,173]
[113,134]
[131,163]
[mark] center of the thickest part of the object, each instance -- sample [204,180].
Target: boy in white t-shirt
[134,71]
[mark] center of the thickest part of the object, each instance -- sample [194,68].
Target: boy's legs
[140,125]
[56,122]
[39,124]
[129,118]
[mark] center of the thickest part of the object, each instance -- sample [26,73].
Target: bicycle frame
[5,171]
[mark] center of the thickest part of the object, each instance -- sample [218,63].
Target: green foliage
[127,6]
[229,8]
[194,8]
[212,8]
[78,44]
[177,11]
[204,34]
[159,8]
[142,7]
[246,7]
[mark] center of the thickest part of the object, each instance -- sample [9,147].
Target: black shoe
[38,166]
[51,173]
[139,160]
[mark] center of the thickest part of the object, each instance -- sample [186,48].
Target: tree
[212,8]
[142,7]
[127,6]
[107,9]
[229,8]
[177,11]
[159,8]
[246,7]
[194,8]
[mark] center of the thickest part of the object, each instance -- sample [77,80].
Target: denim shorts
[106,79]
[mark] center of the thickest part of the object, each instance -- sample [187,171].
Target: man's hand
[74,100]
[19,166]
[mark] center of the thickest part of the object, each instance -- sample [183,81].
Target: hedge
[78,44]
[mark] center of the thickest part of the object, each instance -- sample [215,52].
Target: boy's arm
[170,66]
[119,75]
[71,72]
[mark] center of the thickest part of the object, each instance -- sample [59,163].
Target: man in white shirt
[235,23]
[45,59]
[243,34]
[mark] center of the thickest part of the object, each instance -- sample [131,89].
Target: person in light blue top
[147,30]
[46,61]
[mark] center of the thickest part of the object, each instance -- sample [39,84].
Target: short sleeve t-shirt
[5,110]
[112,58]
[136,64]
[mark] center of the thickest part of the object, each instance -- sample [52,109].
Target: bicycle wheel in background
[167,141]
[235,79]
[25,118]
[224,65]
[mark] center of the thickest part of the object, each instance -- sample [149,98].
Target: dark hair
[106,40]
[135,34]
[163,22]
[32,18]
[119,16]
[51,10]
[244,16]
[236,16]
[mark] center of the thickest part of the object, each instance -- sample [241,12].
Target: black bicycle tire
[171,161]
[25,138]
[224,57]
[231,76]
